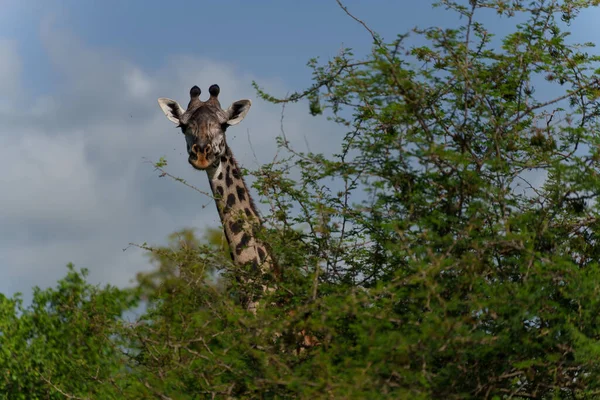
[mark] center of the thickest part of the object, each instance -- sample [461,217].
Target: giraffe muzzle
[199,156]
[200,150]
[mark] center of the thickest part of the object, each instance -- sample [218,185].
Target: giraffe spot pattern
[220,177]
[230,200]
[248,212]
[220,190]
[242,244]
[236,173]
[261,254]
[223,159]
[228,180]
[236,226]
[241,192]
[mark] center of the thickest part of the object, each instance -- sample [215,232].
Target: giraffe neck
[238,215]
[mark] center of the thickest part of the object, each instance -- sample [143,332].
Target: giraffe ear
[172,109]
[237,111]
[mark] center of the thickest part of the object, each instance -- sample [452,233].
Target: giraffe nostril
[195,149]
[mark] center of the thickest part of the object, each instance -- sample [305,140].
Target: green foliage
[466,280]
[66,341]
[448,250]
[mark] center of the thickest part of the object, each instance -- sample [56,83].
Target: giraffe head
[204,124]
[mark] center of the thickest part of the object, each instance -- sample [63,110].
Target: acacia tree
[443,270]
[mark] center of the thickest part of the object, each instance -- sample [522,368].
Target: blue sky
[78,87]
[271,38]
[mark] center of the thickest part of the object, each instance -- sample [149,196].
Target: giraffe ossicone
[204,124]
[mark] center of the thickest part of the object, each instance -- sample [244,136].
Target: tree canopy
[448,250]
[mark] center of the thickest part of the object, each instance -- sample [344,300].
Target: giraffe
[204,124]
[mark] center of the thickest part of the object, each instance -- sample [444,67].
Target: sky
[79,118]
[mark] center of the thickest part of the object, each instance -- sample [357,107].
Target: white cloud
[75,186]
[48,179]
[137,83]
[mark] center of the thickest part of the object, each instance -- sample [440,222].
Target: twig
[68,396]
